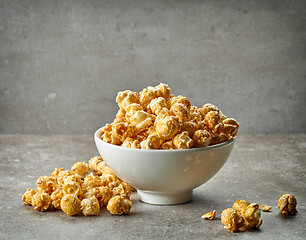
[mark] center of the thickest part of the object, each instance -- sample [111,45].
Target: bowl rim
[219,145]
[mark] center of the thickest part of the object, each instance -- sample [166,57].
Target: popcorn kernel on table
[265,208]
[70,204]
[209,215]
[232,219]
[72,188]
[287,204]
[41,201]
[118,205]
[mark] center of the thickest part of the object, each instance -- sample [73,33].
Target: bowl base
[164,198]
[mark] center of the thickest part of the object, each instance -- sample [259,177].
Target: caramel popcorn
[41,201]
[97,164]
[252,215]
[265,208]
[70,204]
[155,112]
[91,181]
[72,188]
[28,195]
[182,141]
[232,219]
[123,190]
[104,195]
[287,204]
[241,205]
[118,205]
[90,206]
[46,184]
[80,168]
[56,198]
[209,215]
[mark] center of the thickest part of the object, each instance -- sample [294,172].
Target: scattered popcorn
[266,208]
[241,205]
[287,204]
[209,215]
[155,119]
[86,188]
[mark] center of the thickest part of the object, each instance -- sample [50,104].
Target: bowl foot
[164,198]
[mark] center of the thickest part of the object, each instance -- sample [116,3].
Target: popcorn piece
[181,111]
[210,215]
[56,172]
[80,168]
[110,180]
[91,181]
[208,107]
[41,201]
[241,205]
[230,128]
[182,141]
[119,205]
[56,198]
[146,96]
[152,142]
[179,99]
[110,138]
[214,121]
[162,90]
[70,204]
[168,145]
[232,219]
[157,104]
[132,109]
[287,204]
[266,208]
[46,184]
[90,206]
[141,120]
[122,130]
[201,138]
[252,215]
[28,195]
[72,178]
[62,175]
[126,98]
[189,126]
[195,114]
[123,190]
[104,195]
[72,188]
[167,127]
[97,164]
[131,143]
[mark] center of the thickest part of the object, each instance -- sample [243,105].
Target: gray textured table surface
[260,169]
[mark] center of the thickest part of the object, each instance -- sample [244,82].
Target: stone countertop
[260,169]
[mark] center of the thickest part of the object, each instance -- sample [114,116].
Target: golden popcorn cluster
[85,188]
[156,119]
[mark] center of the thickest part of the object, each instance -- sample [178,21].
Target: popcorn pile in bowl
[156,119]
[85,188]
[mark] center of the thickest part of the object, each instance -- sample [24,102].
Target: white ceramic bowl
[164,176]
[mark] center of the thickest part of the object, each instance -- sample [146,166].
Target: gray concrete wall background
[63,62]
